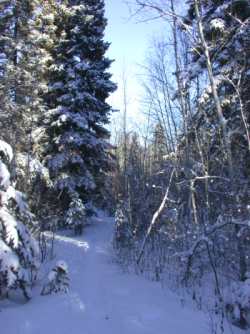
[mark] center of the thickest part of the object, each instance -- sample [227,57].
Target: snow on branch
[6,150]
[205,238]
[156,216]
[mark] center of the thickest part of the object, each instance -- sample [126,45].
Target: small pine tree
[58,280]
[76,215]
[122,229]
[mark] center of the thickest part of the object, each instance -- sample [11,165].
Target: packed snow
[101,298]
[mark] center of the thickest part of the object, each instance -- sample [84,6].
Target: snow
[102,298]
[10,224]
[218,24]
[9,263]
[6,149]
[52,276]
[237,296]
[19,198]
[62,265]
[35,166]
[4,176]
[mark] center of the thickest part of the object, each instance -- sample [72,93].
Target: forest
[164,203]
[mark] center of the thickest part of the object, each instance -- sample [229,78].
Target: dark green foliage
[77,151]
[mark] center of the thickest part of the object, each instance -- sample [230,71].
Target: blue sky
[129,42]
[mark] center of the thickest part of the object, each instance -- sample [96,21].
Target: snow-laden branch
[205,238]
[155,217]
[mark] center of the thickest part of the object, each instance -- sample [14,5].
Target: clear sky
[129,42]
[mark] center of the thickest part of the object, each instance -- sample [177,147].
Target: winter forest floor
[102,298]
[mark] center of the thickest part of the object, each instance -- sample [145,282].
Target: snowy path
[102,299]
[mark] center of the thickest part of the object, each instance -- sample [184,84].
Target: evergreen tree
[23,83]
[77,110]
[123,233]
[76,214]
[18,249]
[19,72]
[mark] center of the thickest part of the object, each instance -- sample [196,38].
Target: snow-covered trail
[102,299]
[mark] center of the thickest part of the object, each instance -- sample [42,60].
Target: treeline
[182,185]
[54,82]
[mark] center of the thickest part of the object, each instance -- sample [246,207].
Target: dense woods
[179,187]
[183,184]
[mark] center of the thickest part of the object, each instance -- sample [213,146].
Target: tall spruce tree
[75,146]
[19,69]
[23,83]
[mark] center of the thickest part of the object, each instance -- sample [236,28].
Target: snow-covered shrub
[18,249]
[58,280]
[238,304]
[122,229]
[76,215]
